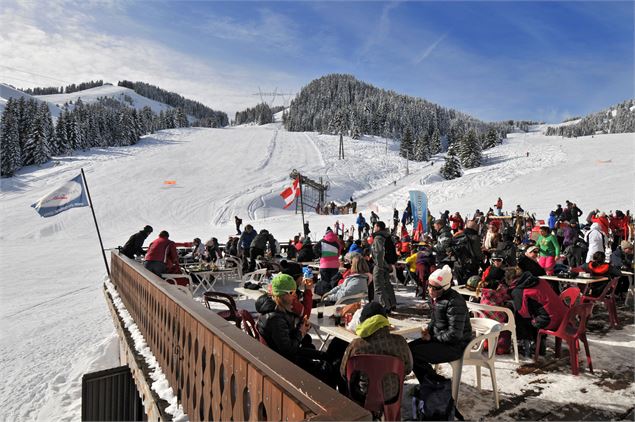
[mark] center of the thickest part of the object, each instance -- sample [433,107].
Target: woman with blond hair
[356,282]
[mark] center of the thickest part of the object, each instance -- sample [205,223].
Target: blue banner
[419,205]
[70,195]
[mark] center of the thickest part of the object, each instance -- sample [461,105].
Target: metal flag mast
[90,201]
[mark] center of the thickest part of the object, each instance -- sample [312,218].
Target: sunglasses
[535,252]
[435,288]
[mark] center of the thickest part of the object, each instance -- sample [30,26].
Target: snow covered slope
[55,325]
[7,92]
[124,95]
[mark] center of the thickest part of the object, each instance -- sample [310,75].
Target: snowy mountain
[51,338]
[124,95]
[7,92]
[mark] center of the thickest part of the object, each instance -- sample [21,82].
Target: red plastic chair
[231,314]
[248,324]
[376,367]
[571,329]
[608,297]
[571,296]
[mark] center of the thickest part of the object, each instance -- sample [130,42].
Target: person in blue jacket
[553,218]
[361,223]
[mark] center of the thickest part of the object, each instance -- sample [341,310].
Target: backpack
[462,250]
[390,251]
[433,402]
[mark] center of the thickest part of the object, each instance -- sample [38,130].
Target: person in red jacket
[499,206]
[600,218]
[456,222]
[161,254]
[537,306]
[618,224]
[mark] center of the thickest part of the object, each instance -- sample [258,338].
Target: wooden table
[327,325]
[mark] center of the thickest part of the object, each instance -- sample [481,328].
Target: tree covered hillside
[616,119]
[206,116]
[340,103]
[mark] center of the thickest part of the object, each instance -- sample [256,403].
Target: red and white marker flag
[290,193]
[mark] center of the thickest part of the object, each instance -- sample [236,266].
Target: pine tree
[60,144]
[491,139]
[470,150]
[36,149]
[435,142]
[422,148]
[452,167]
[10,154]
[405,149]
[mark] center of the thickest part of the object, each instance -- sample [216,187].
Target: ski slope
[55,324]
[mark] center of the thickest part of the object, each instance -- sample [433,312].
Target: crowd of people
[502,256]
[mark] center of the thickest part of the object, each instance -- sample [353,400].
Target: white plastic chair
[171,279]
[510,325]
[486,329]
[256,276]
[238,263]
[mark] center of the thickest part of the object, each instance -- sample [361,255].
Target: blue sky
[494,60]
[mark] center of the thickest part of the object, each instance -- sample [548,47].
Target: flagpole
[90,201]
[301,203]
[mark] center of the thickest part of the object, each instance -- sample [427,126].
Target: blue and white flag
[419,206]
[70,195]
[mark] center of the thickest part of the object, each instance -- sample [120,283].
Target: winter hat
[292,272]
[371,309]
[625,244]
[441,278]
[307,272]
[281,284]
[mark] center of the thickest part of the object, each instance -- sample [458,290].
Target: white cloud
[59,42]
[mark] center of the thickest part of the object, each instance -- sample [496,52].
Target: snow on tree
[10,154]
[451,169]
[470,151]
[435,142]
[405,149]
[421,148]
[491,139]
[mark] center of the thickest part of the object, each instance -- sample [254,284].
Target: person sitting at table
[622,258]
[198,250]
[529,262]
[375,338]
[134,245]
[305,254]
[494,274]
[449,331]
[356,282]
[161,255]
[536,305]
[598,267]
[283,330]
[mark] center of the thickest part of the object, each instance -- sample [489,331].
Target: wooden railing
[217,371]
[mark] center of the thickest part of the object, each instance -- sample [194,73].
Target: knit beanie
[281,284]
[625,244]
[441,278]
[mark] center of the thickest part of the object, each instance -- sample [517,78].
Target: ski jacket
[328,249]
[619,226]
[353,284]
[361,221]
[499,204]
[548,246]
[246,238]
[278,328]
[444,238]
[134,245]
[163,250]
[262,239]
[596,241]
[450,322]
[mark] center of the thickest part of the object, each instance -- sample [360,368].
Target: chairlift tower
[265,96]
